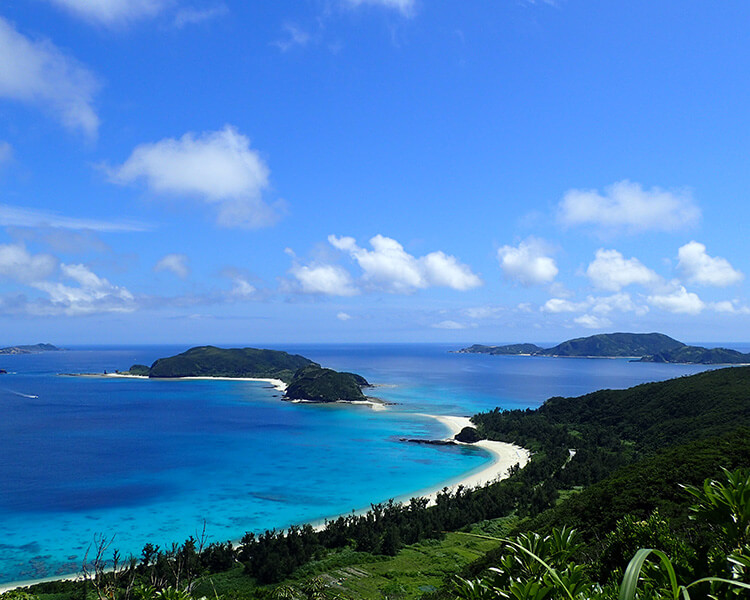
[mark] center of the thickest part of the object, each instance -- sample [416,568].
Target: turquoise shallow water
[150,461]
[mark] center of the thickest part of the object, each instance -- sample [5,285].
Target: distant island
[30,349]
[304,379]
[645,347]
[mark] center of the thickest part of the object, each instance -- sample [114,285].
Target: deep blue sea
[151,461]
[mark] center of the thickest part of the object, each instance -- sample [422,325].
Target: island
[643,347]
[301,379]
[30,349]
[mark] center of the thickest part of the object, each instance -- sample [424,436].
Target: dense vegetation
[507,349]
[699,355]
[650,347]
[611,464]
[323,385]
[306,380]
[210,361]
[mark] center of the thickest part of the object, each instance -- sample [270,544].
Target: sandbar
[504,456]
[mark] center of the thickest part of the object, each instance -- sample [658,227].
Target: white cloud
[679,301]
[93,294]
[731,307]
[610,271]
[175,263]
[482,312]
[12,216]
[405,7]
[39,73]
[599,305]
[620,302]
[389,267]
[324,279]
[449,325]
[242,288]
[627,206]
[528,263]
[111,12]
[218,167]
[561,305]
[342,316]
[698,267]
[193,16]
[18,264]
[294,37]
[593,322]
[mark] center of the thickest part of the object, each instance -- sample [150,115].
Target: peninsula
[30,349]
[299,377]
[644,347]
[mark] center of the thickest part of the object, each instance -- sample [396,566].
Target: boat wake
[15,393]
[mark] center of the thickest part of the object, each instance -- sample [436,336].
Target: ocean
[137,461]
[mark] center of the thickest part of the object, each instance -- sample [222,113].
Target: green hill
[522,349]
[30,349]
[306,379]
[699,355]
[615,344]
[650,347]
[325,385]
[210,361]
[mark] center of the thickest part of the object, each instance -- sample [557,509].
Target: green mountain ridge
[647,347]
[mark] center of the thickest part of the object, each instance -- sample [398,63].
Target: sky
[312,171]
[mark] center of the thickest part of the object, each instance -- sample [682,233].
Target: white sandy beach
[504,456]
[276,383]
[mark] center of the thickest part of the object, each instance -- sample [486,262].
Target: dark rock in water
[3,372]
[429,442]
[468,435]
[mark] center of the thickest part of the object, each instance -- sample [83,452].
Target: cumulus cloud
[561,305]
[241,288]
[598,305]
[18,264]
[679,301]
[698,267]
[92,294]
[40,74]
[83,292]
[112,12]
[620,302]
[731,307]
[329,280]
[528,263]
[13,216]
[218,167]
[626,206]
[593,321]
[611,271]
[405,7]
[174,263]
[389,267]
[342,316]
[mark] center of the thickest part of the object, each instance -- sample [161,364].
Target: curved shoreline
[503,456]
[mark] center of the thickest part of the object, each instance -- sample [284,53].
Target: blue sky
[218,171]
